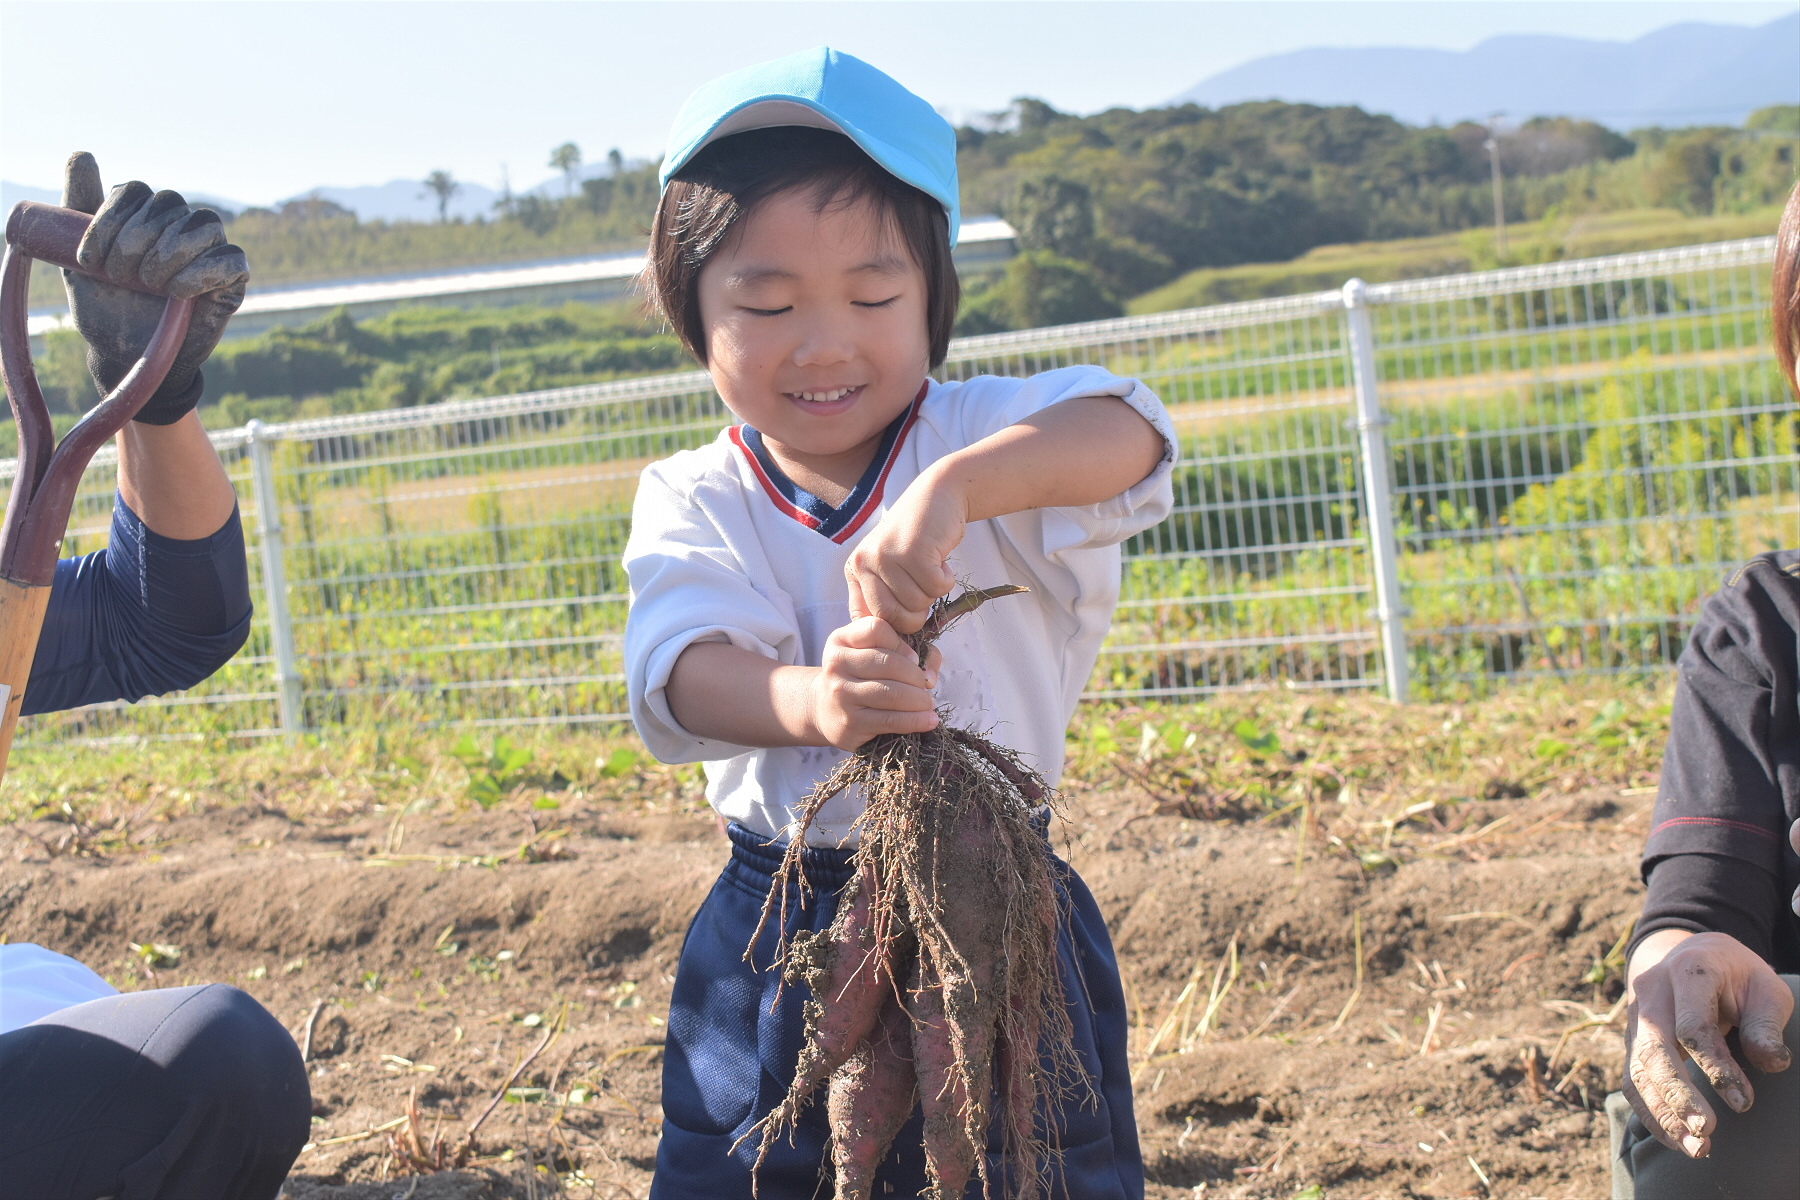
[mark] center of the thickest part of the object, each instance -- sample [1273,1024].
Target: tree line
[1113,205]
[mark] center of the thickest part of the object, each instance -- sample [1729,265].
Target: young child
[801,252]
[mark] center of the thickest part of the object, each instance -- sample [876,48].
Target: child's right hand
[869,682]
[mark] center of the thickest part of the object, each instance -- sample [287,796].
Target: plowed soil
[422,952]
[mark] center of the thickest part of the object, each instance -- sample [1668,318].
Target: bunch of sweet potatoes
[937,984]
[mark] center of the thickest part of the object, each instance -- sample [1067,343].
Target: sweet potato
[849,979]
[964,894]
[1015,1074]
[870,1098]
[950,1158]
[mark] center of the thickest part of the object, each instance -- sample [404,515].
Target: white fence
[1427,486]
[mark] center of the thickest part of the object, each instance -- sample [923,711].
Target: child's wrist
[797,704]
[946,486]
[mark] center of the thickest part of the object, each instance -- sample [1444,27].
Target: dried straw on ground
[937,982]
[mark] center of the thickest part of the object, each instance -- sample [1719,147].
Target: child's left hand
[903,566]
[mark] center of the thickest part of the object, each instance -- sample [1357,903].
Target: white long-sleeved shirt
[724,547]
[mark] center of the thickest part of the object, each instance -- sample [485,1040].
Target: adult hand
[902,566]
[869,682]
[1794,841]
[156,240]
[1687,991]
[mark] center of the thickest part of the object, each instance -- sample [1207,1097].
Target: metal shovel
[43,491]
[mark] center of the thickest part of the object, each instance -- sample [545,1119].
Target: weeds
[122,798]
[156,955]
[493,773]
[1368,781]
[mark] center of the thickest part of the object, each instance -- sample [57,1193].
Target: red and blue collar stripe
[839,523]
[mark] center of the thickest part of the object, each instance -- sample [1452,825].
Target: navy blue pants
[193,1093]
[730,1059]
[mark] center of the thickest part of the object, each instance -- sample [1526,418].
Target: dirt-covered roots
[938,977]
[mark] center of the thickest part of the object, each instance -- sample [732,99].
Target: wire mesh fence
[1575,453]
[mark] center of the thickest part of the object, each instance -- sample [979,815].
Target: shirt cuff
[1711,893]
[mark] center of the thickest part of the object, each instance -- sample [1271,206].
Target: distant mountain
[406,200]
[397,200]
[409,200]
[11,193]
[1690,74]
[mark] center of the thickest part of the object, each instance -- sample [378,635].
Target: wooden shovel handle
[21,620]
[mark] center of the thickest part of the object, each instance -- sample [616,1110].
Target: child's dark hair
[1786,289]
[729,178]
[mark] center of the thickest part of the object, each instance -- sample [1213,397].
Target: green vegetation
[1137,199]
[1552,518]
[1548,240]
[1255,753]
[423,355]
[1134,201]
[1122,211]
[494,772]
[316,239]
[412,356]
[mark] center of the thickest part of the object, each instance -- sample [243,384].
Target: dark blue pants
[193,1093]
[730,1058]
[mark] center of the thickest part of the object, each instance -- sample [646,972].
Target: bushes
[423,355]
[1038,288]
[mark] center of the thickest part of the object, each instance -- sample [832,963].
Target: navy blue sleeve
[147,615]
[1731,771]
[1704,893]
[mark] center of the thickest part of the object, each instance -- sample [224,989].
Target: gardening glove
[157,240]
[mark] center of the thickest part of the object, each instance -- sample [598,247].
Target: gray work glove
[155,239]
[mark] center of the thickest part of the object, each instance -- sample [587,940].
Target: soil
[424,955]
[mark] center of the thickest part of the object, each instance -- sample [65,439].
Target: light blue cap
[825,89]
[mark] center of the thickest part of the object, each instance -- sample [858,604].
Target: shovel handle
[22,609]
[54,234]
[47,474]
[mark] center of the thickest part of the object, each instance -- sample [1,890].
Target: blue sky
[266,98]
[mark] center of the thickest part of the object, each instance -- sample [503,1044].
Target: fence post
[281,624]
[1384,552]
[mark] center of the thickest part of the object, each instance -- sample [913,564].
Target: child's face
[815,328]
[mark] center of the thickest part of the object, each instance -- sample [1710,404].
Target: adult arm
[167,603]
[1715,863]
[171,477]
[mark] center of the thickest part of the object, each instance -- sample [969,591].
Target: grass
[1260,754]
[1588,235]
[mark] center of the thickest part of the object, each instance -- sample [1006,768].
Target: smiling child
[802,252]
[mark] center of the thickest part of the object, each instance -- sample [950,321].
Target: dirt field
[1482,857]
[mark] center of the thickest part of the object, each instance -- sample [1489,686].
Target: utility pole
[1493,149]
